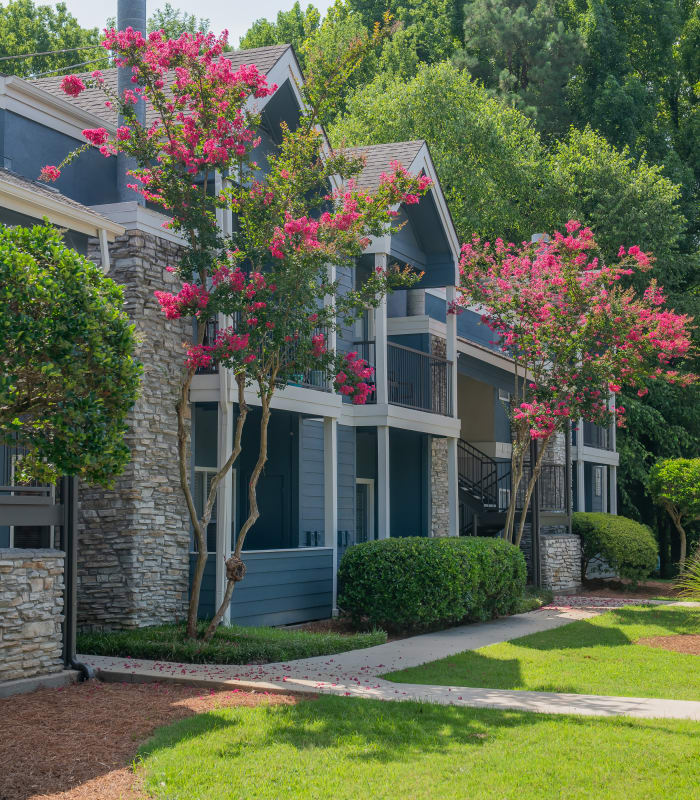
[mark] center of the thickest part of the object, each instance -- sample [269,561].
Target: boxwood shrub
[628,546]
[415,583]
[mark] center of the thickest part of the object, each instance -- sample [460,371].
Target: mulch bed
[679,643]
[77,743]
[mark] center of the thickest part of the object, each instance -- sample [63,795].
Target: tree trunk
[683,540]
[534,475]
[253,514]
[517,461]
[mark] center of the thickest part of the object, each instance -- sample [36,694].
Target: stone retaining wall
[560,561]
[31,613]
[133,558]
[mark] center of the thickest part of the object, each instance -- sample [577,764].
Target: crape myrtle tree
[675,486]
[271,280]
[576,335]
[68,376]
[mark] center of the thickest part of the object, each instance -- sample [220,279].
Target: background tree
[270,279]
[524,51]
[172,21]
[675,485]
[28,28]
[68,376]
[291,27]
[491,162]
[574,333]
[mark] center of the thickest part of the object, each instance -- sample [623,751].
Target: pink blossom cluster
[190,300]
[226,344]
[72,85]
[352,379]
[49,173]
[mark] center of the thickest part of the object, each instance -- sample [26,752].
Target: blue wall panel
[346,484]
[281,587]
[311,511]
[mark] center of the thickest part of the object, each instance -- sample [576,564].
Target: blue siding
[281,587]
[29,145]
[311,512]
[409,471]
[346,484]
[435,308]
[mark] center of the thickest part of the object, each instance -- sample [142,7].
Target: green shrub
[628,546]
[689,580]
[231,644]
[415,583]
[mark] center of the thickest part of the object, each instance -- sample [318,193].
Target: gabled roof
[378,158]
[93,99]
[38,200]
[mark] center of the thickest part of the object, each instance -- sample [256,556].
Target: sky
[237,16]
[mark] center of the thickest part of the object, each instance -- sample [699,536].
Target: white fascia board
[131,215]
[423,162]
[597,456]
[399,417]
[27,100]
[286,68]
[66,215]
[421,323]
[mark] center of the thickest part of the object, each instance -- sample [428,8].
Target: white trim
[285,550]
[580,486]
[371,533]
[380,341]
[399,417]
[225,502]
[599,456]
[28,100]
[612,498]
[25,200]
[495,449]
[485,354]
[131,215]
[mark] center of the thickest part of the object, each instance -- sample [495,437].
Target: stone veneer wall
[31,613]
[134,540]
[561,561]
[439,491]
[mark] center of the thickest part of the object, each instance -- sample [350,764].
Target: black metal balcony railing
[596,436]
[552,488]
[419,380]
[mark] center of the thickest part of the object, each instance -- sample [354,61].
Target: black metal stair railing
[478,474]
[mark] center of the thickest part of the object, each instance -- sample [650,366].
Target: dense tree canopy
[28,28]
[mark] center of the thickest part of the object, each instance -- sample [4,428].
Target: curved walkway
[355,673]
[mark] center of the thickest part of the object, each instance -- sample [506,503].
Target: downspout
[69,496]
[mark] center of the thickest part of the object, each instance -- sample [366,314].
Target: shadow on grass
[363,730]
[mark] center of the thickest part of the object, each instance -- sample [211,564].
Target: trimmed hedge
[415,583]
[628,546]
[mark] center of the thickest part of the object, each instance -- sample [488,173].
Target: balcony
[415,379]
[596,436]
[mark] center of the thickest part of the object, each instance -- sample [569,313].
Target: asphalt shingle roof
[42,189]
[93,99]
[378,158]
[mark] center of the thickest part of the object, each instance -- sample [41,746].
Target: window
[504,396]
[598,481]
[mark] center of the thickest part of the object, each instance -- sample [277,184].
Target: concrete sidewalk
[354,674]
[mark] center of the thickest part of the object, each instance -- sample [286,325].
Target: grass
[341,748]
[596,656]
[534,598]
[232,644]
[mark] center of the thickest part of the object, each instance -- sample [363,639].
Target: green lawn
[231,644]
[337,748]
[596,656]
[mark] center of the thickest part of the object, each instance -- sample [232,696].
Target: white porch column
[452,486]
[330,495]
[380,334]
[104,251]
[224,497]
[580,485]
[612,498]
[383,485]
